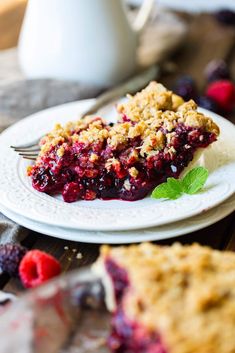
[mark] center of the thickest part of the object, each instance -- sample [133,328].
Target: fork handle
[131,86]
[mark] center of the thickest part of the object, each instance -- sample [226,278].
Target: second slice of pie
[169,299]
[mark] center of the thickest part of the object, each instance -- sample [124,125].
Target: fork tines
[28,151]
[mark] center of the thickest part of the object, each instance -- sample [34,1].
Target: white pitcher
[90,41]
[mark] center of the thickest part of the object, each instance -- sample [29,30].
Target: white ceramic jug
[90,41]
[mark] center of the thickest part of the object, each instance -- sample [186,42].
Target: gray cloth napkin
[10,231]
[24,97]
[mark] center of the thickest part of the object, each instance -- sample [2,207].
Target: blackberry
[10,257]
[217,70]
[226,17]
[208,103]
[186,87]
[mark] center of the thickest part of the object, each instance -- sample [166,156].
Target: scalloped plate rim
[189,225]
[104,227]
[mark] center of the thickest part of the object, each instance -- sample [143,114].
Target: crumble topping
[86,130]
[149,105]
[94,157]
[133,172]
[152,116]
[184,293]
[111,162]
[127,184]
[154,141]
[176,101]
[60,151]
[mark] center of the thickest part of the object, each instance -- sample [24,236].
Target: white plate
[172,230]
[17,194]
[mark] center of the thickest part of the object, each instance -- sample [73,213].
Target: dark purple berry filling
[119,279]
[76,177]
[128,336]
[131,337]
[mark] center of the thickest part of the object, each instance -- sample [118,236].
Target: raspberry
[223,93]
[71,192]
[10,257]
[37,267]
[217,70]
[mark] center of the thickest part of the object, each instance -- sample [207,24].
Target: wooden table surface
[206,40]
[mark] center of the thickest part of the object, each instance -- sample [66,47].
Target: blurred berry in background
[227,17]
[185,87]
[216,70]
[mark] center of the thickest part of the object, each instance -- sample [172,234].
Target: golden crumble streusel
[150,109]
[158,105]
[185,293]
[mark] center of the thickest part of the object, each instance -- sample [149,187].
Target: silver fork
[31,150]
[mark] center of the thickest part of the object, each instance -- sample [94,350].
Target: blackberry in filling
[128,336]
[156,137]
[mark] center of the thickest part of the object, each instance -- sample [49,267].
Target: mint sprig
[173,188]
[194,180]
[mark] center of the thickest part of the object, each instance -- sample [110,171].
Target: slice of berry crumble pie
[169,299]
[156,136]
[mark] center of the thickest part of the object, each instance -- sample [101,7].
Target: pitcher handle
[143,15]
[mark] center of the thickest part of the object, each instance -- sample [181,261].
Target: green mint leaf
[175,184]
[190,184]
[194,180]
[172,189]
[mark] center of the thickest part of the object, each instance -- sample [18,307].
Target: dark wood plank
[232,70]
[230,245]
[74,255]
[214,236]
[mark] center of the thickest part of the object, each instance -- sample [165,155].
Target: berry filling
[128,336]
[119,279]
[83,171]
[155,137]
